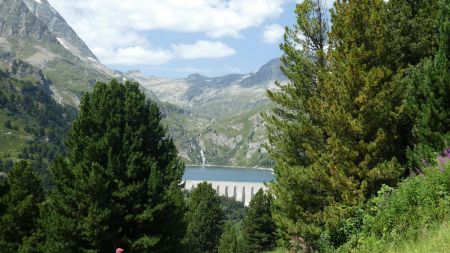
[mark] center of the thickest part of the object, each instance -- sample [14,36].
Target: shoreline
[231,167]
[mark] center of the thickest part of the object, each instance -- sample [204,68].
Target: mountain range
[213,120]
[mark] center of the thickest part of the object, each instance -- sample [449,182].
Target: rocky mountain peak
[196,76]
[17,21]
[56,24]
[269,72]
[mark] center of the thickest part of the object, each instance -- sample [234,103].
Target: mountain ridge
[217,116]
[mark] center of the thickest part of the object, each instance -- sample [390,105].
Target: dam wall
[239,191]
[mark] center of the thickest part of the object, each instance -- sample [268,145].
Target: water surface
[217,173]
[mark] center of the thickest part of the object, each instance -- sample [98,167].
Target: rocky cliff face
[33,32]
[56,24]
[17,21]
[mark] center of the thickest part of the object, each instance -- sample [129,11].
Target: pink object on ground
[119,250]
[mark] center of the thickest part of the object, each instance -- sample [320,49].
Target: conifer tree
[229,240]
[18,219]
[366,119]
[363,142]
[205,220]
[340,129]
[258,225]
[428,89]
[120,185]
[295,129]
[409,27]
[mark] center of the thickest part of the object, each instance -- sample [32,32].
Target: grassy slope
[12,140]
[435,239]
[70,75]
[38,123]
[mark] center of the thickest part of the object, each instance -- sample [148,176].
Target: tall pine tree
[229,240]
[295,129]
[18,219]
[258,227]
[205,219]
[121,182]
[340,129]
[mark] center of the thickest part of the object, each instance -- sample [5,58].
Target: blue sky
[175,38]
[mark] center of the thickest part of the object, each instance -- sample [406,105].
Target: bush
[8,124]
[395,215]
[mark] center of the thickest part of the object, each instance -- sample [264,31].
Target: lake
[217,173]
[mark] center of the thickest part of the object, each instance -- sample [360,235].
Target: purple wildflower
[443,159]
[446,152]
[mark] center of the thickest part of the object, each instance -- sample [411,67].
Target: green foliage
[121,182]
[205,220]
[403,214]
[230,240]
[408,29]
[34,124]
[234,210]
[258,227]
[429,98]
[7,124]
[294,128]
[19,200]
[342,127]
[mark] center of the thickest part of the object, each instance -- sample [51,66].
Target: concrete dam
[239,191]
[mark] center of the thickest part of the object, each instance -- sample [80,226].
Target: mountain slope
[33,32]
[32,124]
[224,126]
[214,119]
[216,97]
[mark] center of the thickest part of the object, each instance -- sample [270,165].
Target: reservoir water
[216,173]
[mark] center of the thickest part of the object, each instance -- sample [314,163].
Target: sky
[176,38]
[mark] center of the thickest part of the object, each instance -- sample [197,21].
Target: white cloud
[133,55]
[203,49]
[273,33]
[118,26]
[155,56]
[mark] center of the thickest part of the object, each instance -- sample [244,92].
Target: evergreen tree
[409,27]
[258,225]
[428,102]
[229,241]
[205,220]
[20,211]
[120,185]
[364,145]
[340,129]
[295,129]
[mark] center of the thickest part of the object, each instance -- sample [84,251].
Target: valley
[217,116]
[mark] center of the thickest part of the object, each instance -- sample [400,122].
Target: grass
[437,241]
[12,140]
[278,250]
[412,217]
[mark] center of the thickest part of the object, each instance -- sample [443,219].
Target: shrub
[394,215]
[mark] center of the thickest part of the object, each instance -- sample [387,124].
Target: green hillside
[32,124]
